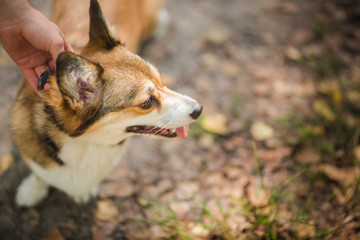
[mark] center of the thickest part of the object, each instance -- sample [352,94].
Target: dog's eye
[148,104]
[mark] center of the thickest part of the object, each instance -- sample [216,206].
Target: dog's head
[108,93]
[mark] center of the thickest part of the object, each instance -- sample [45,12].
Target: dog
[74,134]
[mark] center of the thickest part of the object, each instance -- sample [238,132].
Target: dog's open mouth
[165,132]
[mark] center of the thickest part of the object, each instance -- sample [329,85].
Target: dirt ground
[275,155]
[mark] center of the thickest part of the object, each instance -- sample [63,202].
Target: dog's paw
[85,198]
[31,191]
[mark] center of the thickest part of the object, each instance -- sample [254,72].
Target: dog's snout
[197,111]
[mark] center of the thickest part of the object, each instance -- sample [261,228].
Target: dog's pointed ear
[100,33]
[80,83]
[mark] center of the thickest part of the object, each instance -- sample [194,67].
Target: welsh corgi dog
[73,135]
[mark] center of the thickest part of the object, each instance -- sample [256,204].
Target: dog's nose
[196,113]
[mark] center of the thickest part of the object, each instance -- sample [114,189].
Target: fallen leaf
[54,235]
[292,53]
[288,7]
[322,108]
[119,189]
[261,131]
[186,190]
[231,69]
[6,162]
[308,156]
[215,123]
[217,36]
[106,210]
[180,207]
[344,176]
[357,153]
[209,61]
[198,229]
[257,196]
[206,140]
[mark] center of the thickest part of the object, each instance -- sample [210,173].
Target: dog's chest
[93,157]
[86,164]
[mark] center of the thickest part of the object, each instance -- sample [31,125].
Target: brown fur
[134,20]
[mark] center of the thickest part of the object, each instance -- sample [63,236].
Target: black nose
[196,113]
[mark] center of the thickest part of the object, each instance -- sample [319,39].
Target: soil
[264,72]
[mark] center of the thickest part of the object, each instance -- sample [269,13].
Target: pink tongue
[182,131]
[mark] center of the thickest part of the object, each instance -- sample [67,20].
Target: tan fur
[133,20]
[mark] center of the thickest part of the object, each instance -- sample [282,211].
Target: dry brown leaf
[323,109]
[308,156]
[106,210]
[343,176]
[215,123]
[6,162]
[54,235]
[218,35]
[209,61]
[119,189]
[292,53]
[198,229]
[257,196]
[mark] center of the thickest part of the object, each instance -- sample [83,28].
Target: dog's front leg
[31,191]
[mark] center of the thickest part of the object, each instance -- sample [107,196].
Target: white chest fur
[86,164]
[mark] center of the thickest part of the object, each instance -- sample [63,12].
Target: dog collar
[43,78]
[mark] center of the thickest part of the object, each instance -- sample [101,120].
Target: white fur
[91,156]
[31,191]
[86,164]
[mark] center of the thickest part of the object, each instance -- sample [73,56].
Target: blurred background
[275,154]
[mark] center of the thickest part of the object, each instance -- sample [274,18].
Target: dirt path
[275,155]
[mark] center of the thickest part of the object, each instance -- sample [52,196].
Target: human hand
[30,39]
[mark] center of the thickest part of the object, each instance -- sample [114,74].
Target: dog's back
[132,20]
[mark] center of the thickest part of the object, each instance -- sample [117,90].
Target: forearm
[12,11]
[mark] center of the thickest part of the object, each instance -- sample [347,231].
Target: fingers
[40,70]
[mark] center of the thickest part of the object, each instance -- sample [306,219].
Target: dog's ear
[100,34]
[80,83]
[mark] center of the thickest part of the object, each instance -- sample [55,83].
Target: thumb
[57,48]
